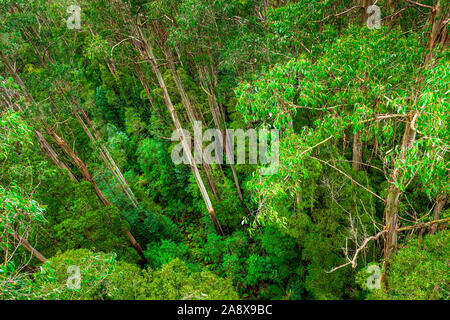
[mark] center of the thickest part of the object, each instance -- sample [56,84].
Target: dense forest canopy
[92,205]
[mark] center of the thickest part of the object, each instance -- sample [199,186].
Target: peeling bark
[357,151]
[440,203]
[394,193]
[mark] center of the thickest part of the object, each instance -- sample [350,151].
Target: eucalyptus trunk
[147,50]
[440,203]
[394,193]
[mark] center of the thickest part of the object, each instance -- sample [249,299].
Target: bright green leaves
[17,210]
[97,48]
[270,98]
[294,28]
[176,281]
[158,254]
[18,214]
[14,132]
[52,282]
[427,158]
[361,84]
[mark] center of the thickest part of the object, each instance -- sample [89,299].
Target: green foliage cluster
[419,271]
[103,277]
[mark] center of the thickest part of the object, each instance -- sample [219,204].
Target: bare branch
[355,256]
